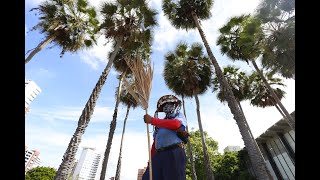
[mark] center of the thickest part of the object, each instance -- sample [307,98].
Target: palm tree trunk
[68,157]
[257,161]
[209,172]
[278,108]
[113,125]
[255,142]
[39,48]
[246,122]
[283,115]
[194,175]
[117,177]
[287,116]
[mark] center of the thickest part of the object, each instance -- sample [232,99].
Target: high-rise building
[31,92]
[31,159]
[89,165]
[232,148]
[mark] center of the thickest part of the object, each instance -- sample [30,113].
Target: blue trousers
[168,165]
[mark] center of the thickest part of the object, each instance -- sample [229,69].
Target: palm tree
[187,14]
[131,51]
[193,169]
[127,100]
[112,128]
[71,25]
[187,72]
[241,88]
[251,88]
[241,39]
[238,81]
[279,51]
[261,97]
[278,22]
[121,22]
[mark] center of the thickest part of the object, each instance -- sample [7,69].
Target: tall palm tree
[127,100]
[261,97]
[278,22]
[251,88]
[112,128]
[187,72]
[123,20]
[71,25]
[193,169]
[131,51]
[279,51]
[187,14]
[241,39]
[241,88]
[238,81]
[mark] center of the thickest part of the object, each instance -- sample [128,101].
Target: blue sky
[67,83]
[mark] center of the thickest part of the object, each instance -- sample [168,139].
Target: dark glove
[147,118]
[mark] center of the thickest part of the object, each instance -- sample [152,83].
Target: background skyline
[67,83]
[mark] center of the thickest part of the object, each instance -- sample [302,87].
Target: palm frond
[108,9]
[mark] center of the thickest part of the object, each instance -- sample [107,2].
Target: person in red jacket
[168,154]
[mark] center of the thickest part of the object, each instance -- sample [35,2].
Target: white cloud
[100,114]
[33,3]
[97,56]
[41,73]
[166,36]
[222,12]
[156,4]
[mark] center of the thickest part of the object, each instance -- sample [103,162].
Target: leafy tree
[187,72]
[71,25]
[230,166]
[242,39]
[126,99]
[245,165]
[123,21]
[227,166]
[196,146]
[186,14]
[121,66]
[261,96]
[41,173]
[278,21]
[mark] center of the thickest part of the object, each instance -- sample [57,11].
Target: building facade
[31,159]
[277,144]
[32,90]
[232,148]
[89,165]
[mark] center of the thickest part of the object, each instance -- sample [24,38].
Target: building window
[288,165]
[290,140]
[277,158]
